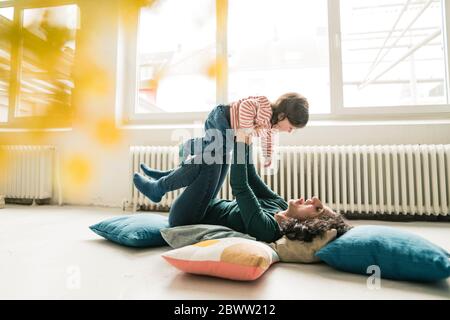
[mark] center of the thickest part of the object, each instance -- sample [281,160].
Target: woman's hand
[242,136]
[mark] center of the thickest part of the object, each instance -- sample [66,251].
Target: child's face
[284,126]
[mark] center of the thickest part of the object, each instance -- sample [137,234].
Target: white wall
[110,182]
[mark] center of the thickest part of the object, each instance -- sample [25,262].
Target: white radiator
[355,180]
[27,172]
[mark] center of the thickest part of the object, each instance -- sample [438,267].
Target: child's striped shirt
[254,113]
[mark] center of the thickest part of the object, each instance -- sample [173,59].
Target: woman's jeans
[205,172]
[205,181]
[202,180]
[217,144]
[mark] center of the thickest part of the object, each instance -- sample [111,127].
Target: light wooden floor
[48,252]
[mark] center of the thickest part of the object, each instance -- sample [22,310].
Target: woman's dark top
[252,212]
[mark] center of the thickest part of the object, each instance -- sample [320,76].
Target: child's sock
[149,188]
[153,173]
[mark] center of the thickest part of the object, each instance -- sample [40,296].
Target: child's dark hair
[293,106]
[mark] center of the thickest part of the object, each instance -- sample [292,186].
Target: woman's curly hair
[308,229]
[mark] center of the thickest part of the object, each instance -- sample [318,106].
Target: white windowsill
[311,123]
[395,122]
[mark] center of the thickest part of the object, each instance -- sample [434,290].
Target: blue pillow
[136,230]
[400,255]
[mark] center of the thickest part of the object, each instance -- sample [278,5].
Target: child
[258,116]
[255,115]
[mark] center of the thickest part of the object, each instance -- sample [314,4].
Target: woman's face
[301,210]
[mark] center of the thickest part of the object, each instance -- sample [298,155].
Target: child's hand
[258,129]
[267,163]
[239,137]
[242,136]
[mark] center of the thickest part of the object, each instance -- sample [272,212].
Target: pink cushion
[229,258]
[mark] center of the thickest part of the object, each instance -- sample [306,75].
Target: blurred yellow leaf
[222,14]
[216,68]
[3,159]
[91,78]
[146,3]
[77,171]
[107,132]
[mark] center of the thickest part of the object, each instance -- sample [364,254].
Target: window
[177,46]
[36,60]
[281,47]
[393,53]
[6,18]
[345,56]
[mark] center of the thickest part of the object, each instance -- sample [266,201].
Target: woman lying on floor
[256,210]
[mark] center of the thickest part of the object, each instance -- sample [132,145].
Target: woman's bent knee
[177,220]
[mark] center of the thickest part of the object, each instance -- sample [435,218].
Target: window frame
[127,75]
[28,122]
[337,93]
[128,96]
